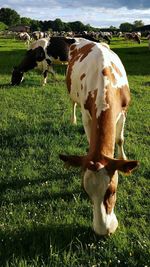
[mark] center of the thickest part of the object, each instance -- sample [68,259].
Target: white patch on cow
[103,223]
[96,184]
[22,79]
[43,42]
[43,65]
[120,134]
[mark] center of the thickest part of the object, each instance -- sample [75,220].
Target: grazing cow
[24,36]
[88,36]
[42,52]
[97,81]
[119,34]
[105,36]
[35,57]
[132,36]
[139,34]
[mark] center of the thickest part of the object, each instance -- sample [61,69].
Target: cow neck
[102,139]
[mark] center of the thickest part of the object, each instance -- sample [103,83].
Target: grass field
[45,216]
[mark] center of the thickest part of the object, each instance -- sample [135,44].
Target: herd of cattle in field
[99,36]
[37,42]
[97,82]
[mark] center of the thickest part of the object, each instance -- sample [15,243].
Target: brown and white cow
[96,80]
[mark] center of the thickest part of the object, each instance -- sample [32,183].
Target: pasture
[45,216]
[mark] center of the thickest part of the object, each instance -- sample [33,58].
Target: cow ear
[70,41]
[76,161]
[81,161]
[126,166]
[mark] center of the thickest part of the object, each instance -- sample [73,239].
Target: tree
[58,25]
[3,26]
[113,28]
[67,28]
[9,16]
[126,27]
[138,23]
[77,26]
[88,27]
[35,25]
[26,21]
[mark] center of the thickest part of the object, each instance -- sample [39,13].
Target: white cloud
[97,13]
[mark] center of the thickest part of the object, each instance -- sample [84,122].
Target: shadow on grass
[5,86]
[146,84]
[32,82]
[133,59]
[44,195]
[44,241]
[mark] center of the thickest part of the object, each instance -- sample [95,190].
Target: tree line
[9,17]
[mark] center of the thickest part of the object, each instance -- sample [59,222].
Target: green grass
[45,216]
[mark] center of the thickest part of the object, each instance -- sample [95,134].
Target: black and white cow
[41,55]
[39,35]
[105,36]
[133,37]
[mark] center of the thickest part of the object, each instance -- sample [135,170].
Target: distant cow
[105,36]
[38,35]
[119,34]
[24,36]
[97,81]
[132,36]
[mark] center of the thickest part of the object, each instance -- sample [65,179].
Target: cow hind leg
[120,135]
[74,118]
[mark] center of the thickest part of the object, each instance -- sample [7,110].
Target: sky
[97,13]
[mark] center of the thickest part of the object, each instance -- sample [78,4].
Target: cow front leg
[45,74]
[120,135]
[51,70]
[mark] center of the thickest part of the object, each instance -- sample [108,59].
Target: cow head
[100,182]
[58,48]
[29,62]
[17,76]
